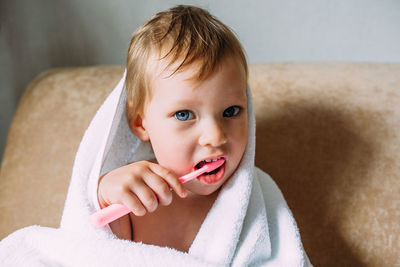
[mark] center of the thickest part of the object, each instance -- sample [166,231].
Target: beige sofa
[328,133]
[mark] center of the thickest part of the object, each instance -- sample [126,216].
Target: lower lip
[212,178]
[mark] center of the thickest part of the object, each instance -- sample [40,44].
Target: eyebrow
[239,96]
[184,102]
[193,102]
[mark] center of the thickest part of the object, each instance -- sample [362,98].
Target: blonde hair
[192,35]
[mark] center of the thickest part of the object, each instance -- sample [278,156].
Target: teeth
[210,160]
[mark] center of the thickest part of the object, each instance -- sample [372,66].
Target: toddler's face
[190,122]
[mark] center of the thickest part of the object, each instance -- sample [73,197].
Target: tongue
[210,166]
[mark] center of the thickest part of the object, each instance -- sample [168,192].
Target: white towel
[248,225]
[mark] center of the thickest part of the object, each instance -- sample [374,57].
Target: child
[187,97]
[186,103]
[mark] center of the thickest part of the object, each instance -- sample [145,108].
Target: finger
[170,178]
[160,187]
[132,202]
[146,195]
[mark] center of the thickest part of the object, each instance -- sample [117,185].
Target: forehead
[229,76]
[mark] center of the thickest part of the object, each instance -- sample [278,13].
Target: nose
[212,134]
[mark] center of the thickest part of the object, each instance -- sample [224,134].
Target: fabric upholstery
[328,133]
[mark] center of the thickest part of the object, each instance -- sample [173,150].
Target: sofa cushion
[328,133]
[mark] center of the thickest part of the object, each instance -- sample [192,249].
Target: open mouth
[213,176]
[203,162]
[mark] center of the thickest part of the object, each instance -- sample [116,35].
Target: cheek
[243,140]
[240,132]
[240,140]
[172,150]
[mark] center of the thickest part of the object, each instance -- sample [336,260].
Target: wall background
[42,34]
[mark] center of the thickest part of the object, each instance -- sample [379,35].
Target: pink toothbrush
[115,211]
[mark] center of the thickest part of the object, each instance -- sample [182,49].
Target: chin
[205,189]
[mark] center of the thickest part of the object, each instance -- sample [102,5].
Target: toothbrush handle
[192,175]
[108,214]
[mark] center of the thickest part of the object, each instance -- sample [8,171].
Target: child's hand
[140,186]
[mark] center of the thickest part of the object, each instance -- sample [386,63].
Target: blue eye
[184,115]
[231,111]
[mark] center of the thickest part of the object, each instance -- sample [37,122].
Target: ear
[138,128]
